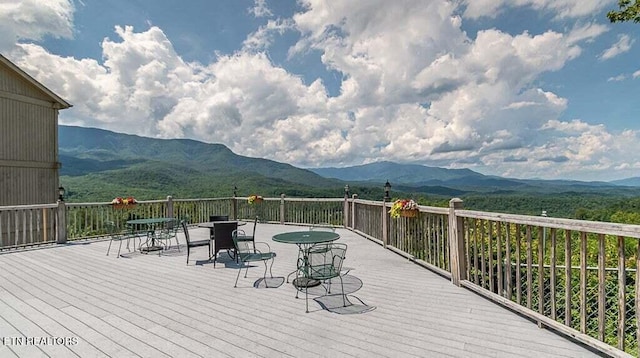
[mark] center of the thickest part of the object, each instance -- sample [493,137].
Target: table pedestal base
[147,249]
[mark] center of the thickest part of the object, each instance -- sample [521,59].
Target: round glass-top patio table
[304,240]
[306,237]
[151,224]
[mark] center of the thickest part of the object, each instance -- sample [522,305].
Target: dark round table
[304,240]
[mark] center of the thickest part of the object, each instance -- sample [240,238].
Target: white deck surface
[156,306]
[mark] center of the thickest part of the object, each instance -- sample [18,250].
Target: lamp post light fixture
[387,189]
[61,192]
[346,191]
[235,191]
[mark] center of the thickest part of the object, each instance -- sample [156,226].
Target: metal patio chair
[167,233]
[323,263]
[116,235]
[191,244]
[247,252]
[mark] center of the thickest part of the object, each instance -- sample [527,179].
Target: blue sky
[517,88]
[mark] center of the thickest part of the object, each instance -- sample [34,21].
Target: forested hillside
[98,165]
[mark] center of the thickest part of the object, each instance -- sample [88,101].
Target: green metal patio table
[304,240]
[151,224]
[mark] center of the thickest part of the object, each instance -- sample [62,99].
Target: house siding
[28,142]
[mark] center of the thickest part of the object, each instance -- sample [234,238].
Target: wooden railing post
[456,243]
[62,223]
[353,211]
[385,223]
[234,207]
[169,206]
[282,208]
[345,210]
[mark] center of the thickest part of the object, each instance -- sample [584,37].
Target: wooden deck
[156,306]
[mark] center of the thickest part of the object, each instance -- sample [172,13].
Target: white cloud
[264,36]
[636,74]
[617,78]
[260,9]
[623,45]
[33,20]
[561,8]
[415,88]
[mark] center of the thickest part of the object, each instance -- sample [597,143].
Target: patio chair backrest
[243,247]
[213,218]
[186,231]
[324,261]
[222,234]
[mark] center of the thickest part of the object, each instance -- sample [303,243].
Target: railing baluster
[509,288]
[552,275]
[583,282]
[622,294]
[475,250]
[637,301]
[529,267]
[540,272]
[490,254]
[467,244]
[568,288]
[601,287]
[483,264]
[499,262]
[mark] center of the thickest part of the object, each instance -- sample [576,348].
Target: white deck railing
[578,277]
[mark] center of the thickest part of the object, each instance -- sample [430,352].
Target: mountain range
[97,163]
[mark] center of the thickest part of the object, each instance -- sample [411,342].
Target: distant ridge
[635,181]
[87,150]
[398,173]
[98,164]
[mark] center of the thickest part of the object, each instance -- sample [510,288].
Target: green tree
[627,11]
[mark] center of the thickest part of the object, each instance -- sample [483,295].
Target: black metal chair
[246,252]
[223,239]
[192,244]
[323,262]
[214,218]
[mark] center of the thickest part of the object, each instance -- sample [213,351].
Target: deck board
[155,306]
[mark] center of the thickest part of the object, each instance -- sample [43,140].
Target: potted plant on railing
[124,203]
[405,208]
[255,199]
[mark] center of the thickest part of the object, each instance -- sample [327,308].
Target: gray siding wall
[28,143]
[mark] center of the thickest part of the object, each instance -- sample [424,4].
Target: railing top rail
[596,227]
[109,203]
[366,202]
[199,199]
[28,207]
[309,199]
[433,210]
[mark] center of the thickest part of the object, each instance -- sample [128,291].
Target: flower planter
[409,213]
[123,206]
[258,200]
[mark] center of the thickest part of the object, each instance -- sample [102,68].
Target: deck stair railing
[577,277]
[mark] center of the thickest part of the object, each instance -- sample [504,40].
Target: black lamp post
[346,191]
[387,189]
[61,192]
[235,191]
